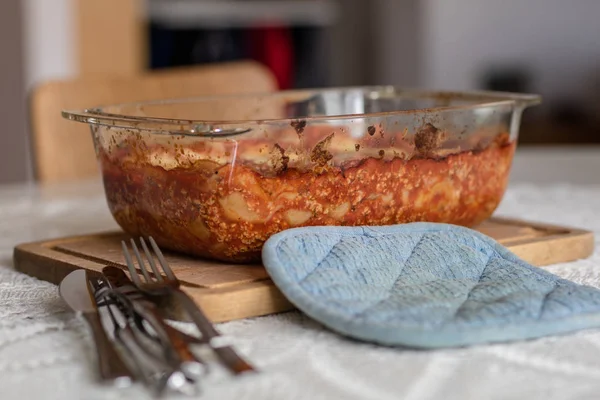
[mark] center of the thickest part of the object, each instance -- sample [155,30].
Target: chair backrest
[63,150]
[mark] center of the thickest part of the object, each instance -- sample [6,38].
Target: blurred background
[550,47]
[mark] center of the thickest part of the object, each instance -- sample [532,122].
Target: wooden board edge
[28,257]
[259,298]
[570,236]
[547,251]
[539,225]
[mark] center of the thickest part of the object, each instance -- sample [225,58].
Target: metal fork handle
[111,365]
[227,354]
[192,366]
[144,309]
[176,349]
[156,375]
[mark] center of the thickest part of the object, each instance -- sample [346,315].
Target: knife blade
[180,355]
[75,290]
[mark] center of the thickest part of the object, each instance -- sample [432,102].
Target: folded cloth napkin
[423,285]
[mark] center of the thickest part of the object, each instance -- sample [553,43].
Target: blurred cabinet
[124,37]
[111,36]
[316,43]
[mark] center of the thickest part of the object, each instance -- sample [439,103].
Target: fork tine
[155,270]
[161,259]
[130,267]
[141,262]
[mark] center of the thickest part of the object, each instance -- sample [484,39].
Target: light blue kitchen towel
[423,285]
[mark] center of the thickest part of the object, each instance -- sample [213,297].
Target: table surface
[47,353]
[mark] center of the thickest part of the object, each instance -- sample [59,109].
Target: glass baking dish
[216,176]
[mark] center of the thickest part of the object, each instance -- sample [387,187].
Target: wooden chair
[63,150]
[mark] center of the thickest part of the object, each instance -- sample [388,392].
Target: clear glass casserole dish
[216,176]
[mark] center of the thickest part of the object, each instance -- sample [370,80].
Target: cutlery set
[133,340]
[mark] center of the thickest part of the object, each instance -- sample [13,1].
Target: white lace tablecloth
[47,353]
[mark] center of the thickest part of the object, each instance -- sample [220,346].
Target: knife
[153,371]
[76,292]
[183,358]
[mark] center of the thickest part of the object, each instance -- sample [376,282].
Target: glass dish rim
[209,128]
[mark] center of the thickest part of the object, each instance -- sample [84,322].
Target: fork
[151,370]
[169,285]
[175,345]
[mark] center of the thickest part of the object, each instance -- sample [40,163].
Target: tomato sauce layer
[227,212]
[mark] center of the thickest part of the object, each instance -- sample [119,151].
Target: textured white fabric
[47,353]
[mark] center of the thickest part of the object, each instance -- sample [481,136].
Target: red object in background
[273,47]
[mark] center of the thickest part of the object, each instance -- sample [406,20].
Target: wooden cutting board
[227,291]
